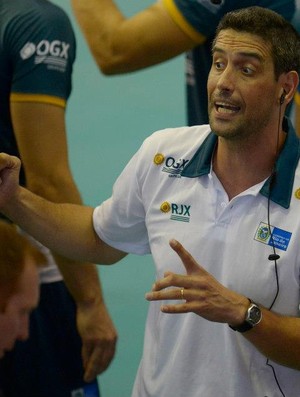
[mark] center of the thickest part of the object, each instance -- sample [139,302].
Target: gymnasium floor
[108,118]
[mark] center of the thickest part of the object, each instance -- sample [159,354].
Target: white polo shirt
[167,191]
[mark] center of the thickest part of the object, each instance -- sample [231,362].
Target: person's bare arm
[63,227]
[121,45]
[41,136]
[40,132]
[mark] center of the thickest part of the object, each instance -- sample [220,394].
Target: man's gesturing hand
[199,292]
[9,177]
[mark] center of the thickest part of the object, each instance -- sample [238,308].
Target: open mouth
[223,107]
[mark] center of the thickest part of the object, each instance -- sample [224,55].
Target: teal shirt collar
[282,185]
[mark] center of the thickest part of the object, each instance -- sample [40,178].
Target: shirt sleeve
[195,18]
[42,49]
[120,220]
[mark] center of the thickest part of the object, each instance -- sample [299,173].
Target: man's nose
[226,80]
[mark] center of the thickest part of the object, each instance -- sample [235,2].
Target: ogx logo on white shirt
[172,166]
[54,53]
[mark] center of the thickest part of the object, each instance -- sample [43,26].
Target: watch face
[254,315]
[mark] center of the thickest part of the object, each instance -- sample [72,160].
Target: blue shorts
[49,363]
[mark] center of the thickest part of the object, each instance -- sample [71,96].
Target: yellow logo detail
[158,159]
[297,193]
[165,207]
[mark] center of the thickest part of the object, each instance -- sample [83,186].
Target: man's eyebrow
[246,54]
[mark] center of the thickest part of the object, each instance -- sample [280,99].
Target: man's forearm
[278,338]
[64,228]
[81,279]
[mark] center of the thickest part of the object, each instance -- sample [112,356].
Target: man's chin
[220,129]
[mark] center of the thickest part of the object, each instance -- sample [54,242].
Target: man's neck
[240,167]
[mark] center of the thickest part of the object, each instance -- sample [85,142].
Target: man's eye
[219,65]
[247,70]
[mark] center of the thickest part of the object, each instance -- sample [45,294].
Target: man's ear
[289,83]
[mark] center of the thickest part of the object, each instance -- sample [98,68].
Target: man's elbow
[108,68]
[116,63]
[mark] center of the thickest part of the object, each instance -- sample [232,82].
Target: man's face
[242,90]
[14,321]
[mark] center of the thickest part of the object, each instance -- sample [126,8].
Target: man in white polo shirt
[218,207]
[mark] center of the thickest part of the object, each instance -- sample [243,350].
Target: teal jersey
[37,52]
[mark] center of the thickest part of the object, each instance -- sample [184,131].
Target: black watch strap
[253,317]
[243,327]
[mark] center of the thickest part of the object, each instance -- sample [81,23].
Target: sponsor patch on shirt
[171,166]
[54,54]
[179,212]
[273,236]
[297,193]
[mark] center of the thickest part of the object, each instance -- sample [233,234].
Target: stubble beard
[240,130]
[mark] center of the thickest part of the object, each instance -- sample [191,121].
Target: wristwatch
[253,317]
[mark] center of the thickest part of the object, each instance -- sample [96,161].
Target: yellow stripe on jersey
[182,22]
[297,97]
[38,98]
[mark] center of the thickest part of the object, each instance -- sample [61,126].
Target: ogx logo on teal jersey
[55,48]
[54,54]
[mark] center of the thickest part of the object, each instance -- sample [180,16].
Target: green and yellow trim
[38,98]
[179,19]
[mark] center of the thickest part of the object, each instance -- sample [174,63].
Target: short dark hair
[273,29]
